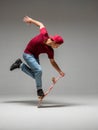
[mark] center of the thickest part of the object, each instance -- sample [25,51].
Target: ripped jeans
[32,69]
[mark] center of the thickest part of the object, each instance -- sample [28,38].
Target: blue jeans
[32,69]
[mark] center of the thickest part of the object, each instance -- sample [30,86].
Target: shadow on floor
[44,104]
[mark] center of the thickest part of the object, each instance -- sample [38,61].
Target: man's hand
[62,73]
[54,64]
[27,19]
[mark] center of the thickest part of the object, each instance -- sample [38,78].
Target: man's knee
[39,71]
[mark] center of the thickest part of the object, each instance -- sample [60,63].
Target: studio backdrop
[75,20]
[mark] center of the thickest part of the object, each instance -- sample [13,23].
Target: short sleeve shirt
[37,45]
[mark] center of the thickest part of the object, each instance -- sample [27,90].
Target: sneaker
[40,93]
[16,64]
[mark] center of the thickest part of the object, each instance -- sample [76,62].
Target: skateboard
[54,81]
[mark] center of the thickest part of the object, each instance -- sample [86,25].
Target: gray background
[75,20]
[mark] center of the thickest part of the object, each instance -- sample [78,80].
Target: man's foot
[40,93]
[16,64]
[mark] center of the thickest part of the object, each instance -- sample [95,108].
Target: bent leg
[27,70]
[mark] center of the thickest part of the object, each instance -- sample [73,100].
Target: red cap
[58,39]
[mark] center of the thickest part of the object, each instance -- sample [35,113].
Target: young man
[42,43]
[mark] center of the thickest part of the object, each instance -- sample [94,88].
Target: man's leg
[34,71]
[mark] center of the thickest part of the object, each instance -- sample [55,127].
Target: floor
[55,113]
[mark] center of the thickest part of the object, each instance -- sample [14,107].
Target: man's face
[54,44]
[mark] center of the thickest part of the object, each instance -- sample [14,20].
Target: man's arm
[29,20]
[54,64]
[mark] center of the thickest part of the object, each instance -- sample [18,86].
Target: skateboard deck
[54,81]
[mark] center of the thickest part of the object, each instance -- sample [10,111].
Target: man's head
[56,41]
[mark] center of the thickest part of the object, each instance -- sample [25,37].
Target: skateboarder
[42,43]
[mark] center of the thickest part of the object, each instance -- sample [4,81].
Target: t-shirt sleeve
[44,31]
[50,51]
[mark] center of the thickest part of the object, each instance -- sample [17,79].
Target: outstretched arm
[29,20]
[54,64]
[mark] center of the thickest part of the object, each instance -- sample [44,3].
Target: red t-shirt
[37,45]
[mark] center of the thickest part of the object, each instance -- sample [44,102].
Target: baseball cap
[57,38]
